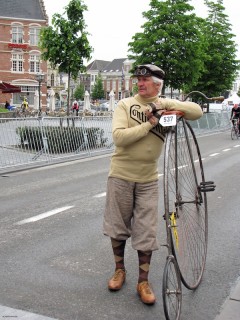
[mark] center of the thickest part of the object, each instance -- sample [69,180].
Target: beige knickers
[132,211]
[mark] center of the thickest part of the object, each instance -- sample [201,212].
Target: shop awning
[8,88]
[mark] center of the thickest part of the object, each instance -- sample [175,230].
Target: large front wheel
[185,204]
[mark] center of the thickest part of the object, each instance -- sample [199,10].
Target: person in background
[7,105]
[75,107]
[24,105]
[235,115]
[132,188]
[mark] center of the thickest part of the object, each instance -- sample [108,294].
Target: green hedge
[61,139]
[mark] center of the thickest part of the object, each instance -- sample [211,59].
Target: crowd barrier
[27,142]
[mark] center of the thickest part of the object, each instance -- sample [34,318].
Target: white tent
[231,100]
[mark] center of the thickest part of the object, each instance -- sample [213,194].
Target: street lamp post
[72,87]
[40,78]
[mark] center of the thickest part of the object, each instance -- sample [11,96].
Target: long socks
[144,265]
[118,247]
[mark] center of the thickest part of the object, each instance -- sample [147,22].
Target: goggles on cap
[143,72]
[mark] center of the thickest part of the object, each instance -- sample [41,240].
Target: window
[108,85]
[34,63]
[126,84]
[17,34]
[52,80]
[34,35]
[17,62]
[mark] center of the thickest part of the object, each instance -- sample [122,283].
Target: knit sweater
[138,144]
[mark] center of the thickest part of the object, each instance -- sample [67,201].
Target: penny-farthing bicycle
[186,213]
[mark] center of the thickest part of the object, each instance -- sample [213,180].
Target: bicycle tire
[183,172]
[171,290]
[234,133]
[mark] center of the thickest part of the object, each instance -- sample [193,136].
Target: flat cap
[148,70]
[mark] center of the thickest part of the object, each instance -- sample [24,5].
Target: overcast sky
[112,23]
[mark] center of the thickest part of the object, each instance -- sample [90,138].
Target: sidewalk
[231,307]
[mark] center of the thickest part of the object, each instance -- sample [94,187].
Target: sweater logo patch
[139,116]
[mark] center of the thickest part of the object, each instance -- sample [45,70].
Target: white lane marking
[238,145]
[160,174]
[44,215]
[226,150]
[214,154]
[100,195]
[183,166]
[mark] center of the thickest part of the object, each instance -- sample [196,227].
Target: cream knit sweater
[137,144]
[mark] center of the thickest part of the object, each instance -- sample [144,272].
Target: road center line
[214,154]
[225,150]
[100,195]
[44,215]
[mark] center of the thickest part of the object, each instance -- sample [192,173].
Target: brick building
[115,74]
[20,56]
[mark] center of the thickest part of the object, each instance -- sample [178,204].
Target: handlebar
[220,98]
[176,112]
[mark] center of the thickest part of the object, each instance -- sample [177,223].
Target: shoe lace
[117,273]
[146,288]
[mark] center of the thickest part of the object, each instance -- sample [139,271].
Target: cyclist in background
[24,105]
[235,115]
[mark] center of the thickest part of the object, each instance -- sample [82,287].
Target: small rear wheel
[172,290]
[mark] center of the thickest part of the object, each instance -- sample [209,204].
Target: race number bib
[168,120]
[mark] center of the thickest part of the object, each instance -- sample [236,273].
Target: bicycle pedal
[207,186]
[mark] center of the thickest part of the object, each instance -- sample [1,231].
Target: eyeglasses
[142,72]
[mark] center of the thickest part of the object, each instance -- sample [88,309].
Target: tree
[65,43]
[220,60]
[79,92]
[171,40]
[98,91]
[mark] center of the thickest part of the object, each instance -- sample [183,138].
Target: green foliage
[220,63]
[98,91]
[2,109]
[65,44]
[79,92]
[171,39]
[196,54]
[61,139]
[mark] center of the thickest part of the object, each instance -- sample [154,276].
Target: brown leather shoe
[117,280]
[145,292]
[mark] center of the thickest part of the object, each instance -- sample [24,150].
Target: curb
[231,308]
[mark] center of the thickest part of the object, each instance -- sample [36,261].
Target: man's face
[146,87]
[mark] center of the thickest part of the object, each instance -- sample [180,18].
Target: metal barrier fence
[37,141]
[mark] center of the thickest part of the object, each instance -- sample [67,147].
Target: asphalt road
[57,263]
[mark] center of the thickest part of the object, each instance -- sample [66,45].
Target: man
[75,106]
[132,189]
[235,115]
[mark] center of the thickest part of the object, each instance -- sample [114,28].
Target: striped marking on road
[44,215]
[225,150]
[100,195]
[214,154]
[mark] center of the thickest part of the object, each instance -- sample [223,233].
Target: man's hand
[151,118]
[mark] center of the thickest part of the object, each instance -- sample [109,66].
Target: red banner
[18,45]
